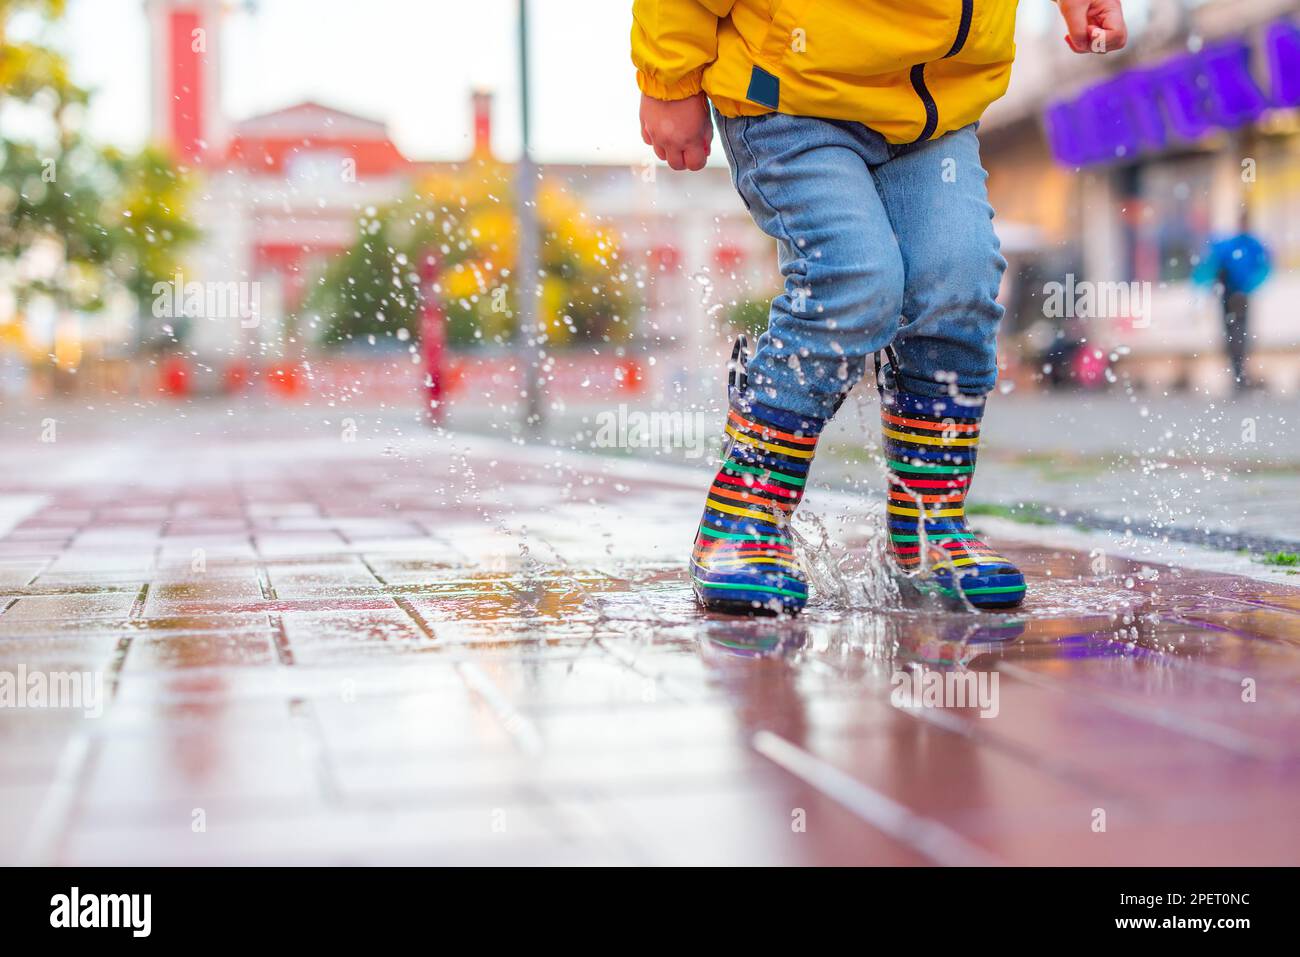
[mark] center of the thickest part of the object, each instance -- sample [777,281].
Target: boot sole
[913,590]
[744,609]
[989,603]
[998,605]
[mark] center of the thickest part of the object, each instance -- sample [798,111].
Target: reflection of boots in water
[756,639]
[955,639]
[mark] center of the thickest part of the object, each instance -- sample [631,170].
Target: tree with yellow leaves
[462,218]
[96,219]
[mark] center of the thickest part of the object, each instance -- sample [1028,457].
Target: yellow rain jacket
[909,69]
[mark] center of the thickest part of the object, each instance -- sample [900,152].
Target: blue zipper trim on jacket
[918,72]
[963,29]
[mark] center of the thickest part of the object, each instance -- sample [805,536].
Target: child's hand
[1096,26]
[679,130]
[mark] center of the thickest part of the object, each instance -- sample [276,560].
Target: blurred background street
[249,204]
[379,552]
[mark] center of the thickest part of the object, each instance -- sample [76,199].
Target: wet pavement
[328,639]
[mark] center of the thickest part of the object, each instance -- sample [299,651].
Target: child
[849,126]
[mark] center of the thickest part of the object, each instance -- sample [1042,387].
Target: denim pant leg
[938,205]
[807,183]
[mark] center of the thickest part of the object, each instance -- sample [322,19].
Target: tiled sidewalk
[411,648]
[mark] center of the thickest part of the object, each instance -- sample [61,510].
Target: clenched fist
[1096,26]
[679,130]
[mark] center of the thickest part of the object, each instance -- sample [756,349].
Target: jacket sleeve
[672,42]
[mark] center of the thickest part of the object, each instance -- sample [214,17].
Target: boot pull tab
[892,358]
[737,377]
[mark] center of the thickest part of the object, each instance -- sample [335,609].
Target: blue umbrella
[1242,261]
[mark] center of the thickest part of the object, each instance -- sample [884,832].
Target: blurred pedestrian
[849,126]
[1236,265]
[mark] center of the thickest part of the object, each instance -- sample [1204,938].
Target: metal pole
[528,349]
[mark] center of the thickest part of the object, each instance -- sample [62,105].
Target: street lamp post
[526,336]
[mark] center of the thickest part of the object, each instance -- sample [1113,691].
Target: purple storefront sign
[1183,99]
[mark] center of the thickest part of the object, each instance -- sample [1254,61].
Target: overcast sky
[411,63]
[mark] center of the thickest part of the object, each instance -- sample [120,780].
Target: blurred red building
[283,193]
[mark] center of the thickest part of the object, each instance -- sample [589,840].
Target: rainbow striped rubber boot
[930,446]
[743,562]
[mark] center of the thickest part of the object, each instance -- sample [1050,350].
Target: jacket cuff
[688,85]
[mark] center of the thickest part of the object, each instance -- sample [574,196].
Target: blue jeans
[879,245]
